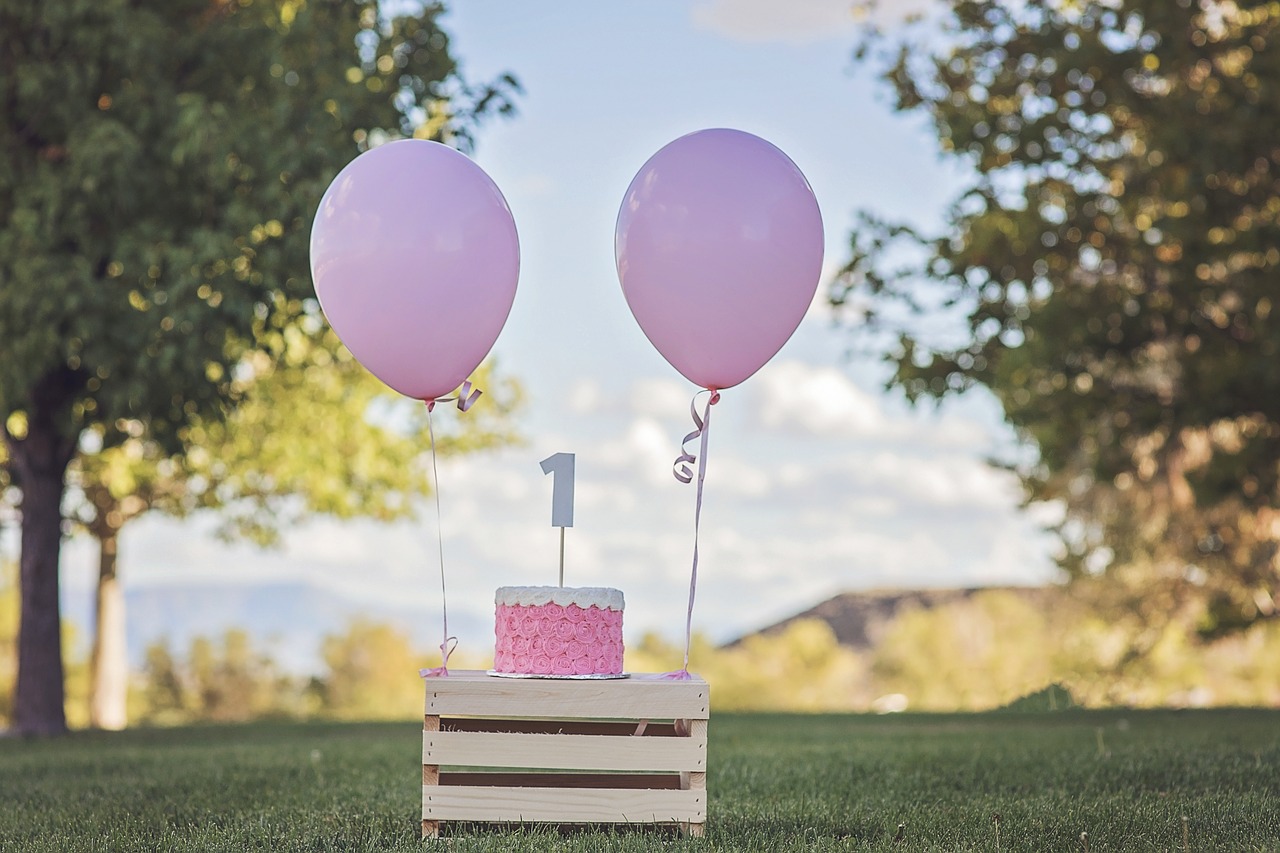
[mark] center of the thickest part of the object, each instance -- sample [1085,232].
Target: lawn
[1130,780]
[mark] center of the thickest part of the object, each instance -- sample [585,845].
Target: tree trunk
[109,677]
[40,460]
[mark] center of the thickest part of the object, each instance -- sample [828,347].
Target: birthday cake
[558,631]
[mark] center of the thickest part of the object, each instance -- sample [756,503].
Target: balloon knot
[465,398]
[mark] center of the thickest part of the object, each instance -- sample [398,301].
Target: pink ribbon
[466,398]
[684,473]
[445,650]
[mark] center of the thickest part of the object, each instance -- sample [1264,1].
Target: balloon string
[445,648]
[684,474]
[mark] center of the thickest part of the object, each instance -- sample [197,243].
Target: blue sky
[819,481]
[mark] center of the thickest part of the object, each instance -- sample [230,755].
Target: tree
[268,466]
[369,673]
[8,637]
[970,654]
[161,163]
[1110,277]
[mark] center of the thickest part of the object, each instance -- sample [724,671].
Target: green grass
[777,782]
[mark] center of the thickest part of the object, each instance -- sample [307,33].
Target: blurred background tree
[161,165]
[313,433]
[1110,276]
[8,637]
[365,674]
[802,668]
[226,680]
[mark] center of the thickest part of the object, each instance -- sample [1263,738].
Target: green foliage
[1055,697]
[977,653]
[993,650]
[156,194]
[371,674]
[221,681]
[159,167]
[802,668]
[1110,277]
[312,434]
[1130,780]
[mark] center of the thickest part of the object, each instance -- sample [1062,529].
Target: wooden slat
[473,693]
[563,805]
[564,752]
[629,781]
[554,727]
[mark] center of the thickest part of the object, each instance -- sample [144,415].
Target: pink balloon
[415,260]
[719,251]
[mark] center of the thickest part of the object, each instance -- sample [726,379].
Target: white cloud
[802,21]
[817,400]
[795,22]
[939,480]
[734,476]
[585,397]
[662,398]
[646,450]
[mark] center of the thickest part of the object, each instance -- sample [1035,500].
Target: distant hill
[288,620]
[859,619]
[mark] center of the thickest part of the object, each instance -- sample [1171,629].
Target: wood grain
[473,693]
[564,752]
[563,805]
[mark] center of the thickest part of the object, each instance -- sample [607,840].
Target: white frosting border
[535,596]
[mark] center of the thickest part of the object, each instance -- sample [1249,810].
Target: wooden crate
[516,750]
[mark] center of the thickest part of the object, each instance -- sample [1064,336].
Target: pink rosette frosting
[562,666]
[546,631]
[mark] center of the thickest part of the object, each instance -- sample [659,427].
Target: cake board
[511,751]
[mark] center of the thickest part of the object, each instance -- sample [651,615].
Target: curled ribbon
[684,473]
[445,650]
[466,398]
[680,468]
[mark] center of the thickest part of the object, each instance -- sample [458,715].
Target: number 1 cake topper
[561,468]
